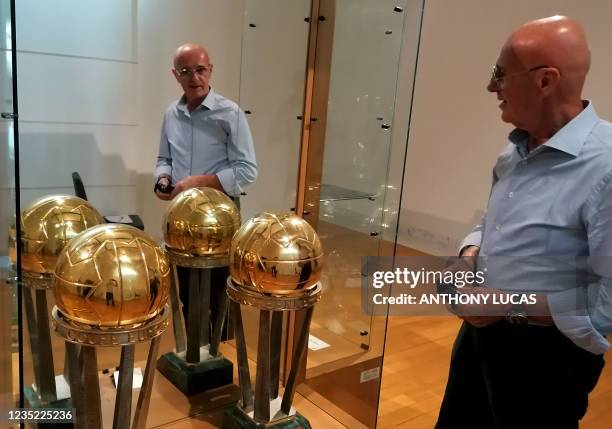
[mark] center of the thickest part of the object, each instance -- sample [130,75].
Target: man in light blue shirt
[205,142]
[205,138]
[533,366]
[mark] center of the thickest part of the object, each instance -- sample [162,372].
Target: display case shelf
[339,193]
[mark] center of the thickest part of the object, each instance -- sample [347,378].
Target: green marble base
[235,418]
[196,378]
[34,402]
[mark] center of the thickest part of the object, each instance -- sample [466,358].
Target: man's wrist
[517,314]
[469,250]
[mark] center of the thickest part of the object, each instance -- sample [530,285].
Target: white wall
[456,132]
[273,71]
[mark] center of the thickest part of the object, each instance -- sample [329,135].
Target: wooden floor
[417,355]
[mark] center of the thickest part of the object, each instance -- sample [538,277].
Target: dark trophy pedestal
[48,387]
[196,366]
[196,378]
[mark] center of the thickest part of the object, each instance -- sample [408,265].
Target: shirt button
[524,162]
[498,227]
[511,194]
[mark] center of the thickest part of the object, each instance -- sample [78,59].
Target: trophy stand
[81,342]
[48,390]
[265,408]
[196,365]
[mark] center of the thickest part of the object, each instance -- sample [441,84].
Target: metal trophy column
[198,227]
[275,266]
[111,289]
[48,225]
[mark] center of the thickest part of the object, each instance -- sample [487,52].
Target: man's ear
[175,74]
[550,79]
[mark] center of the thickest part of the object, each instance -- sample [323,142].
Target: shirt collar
[568,139]
[208,103]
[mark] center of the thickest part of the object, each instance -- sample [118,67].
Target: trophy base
[196,378]
[235,418]
[34,401]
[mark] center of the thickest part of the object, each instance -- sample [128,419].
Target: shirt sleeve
[241,155]
[164,156]
[584,314]
[474,238]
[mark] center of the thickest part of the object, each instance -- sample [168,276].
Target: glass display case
[316,80]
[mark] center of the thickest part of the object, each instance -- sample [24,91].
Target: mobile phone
[164,189]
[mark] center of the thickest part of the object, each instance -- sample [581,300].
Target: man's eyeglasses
[198,71]
[497,75]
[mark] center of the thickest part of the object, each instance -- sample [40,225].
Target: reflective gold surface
[47,226]
[112,275]
[200,222]
[277,255]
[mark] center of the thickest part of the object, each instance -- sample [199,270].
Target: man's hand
[162,181]
[480,314]
[201,181]
[483,313]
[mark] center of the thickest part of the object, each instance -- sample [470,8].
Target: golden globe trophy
[198,227]
[47,225]
[275,266]
[111,289]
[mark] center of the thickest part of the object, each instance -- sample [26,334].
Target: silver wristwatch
[517,315]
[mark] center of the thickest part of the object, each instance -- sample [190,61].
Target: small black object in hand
[167,189]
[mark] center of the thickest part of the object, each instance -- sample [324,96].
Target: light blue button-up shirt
[214,138]
[551,208]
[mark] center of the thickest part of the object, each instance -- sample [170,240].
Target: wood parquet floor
[417,356]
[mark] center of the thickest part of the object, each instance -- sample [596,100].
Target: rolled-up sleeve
[474,238]
[242,168]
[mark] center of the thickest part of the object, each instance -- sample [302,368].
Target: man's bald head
[192,70]
[558,42]
[189,50]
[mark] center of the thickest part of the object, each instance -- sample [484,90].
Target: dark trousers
[218,277]
[508,376]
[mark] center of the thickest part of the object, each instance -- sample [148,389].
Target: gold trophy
[47,226]
[198,228]
[275,266]
[111,288]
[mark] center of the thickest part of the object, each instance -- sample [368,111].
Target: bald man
[205,142]
[205,138]
[525,365]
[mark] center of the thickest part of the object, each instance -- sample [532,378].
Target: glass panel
[9,322]
[357,194]
[272,78]
[98,111]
